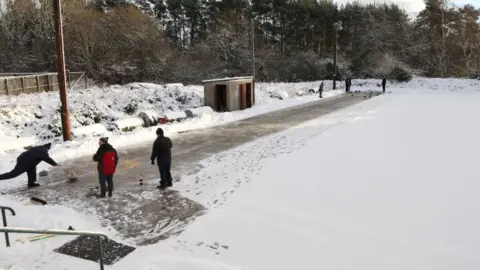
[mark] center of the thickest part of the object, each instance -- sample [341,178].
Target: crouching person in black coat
[27,163]
[162,152]
[107,159]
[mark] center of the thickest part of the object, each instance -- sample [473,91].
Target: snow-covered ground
[390,183]
[37,115]
[34,119]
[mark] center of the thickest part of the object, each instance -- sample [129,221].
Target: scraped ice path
[392,184]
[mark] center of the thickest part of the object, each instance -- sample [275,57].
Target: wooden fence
[15,84]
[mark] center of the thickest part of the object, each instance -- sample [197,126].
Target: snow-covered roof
[229,79]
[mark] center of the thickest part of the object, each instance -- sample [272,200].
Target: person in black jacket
[107,159]
[27,163]
[320,90]
[163,154]
[348,83]
[384,83]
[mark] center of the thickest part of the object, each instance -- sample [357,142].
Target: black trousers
[106,184]
[18,170]
[165,175]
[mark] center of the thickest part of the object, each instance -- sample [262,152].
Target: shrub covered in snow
[39,114]
[399,74]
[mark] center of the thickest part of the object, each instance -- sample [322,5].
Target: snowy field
[391,183]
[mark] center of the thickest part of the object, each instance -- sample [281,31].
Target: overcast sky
[413,6]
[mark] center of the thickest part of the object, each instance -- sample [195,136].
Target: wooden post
[253,49]
[335,59]
[38,83]
[65,117]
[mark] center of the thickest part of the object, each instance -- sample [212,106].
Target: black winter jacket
[162,150]
[32,157]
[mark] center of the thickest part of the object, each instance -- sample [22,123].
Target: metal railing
[61,232]
[4,219]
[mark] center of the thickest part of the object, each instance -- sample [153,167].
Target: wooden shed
[229,94]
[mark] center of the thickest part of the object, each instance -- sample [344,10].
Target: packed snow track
[141,213]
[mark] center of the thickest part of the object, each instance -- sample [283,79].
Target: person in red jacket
[107,159]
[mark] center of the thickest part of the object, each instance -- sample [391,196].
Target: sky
[413,7]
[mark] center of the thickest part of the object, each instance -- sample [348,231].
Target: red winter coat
[107,159]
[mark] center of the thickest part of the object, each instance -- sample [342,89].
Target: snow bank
[37,114]
[202,111]
[129,124]
[23,254]
[176,116]
[150,118]
[8,144]
[419,84]
[89,131]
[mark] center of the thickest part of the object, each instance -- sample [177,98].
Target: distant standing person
[320,90]
[27,163]
[162,152]
[348,83]
[107,159]
[384,83]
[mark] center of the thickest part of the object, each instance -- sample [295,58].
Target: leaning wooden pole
[62,82]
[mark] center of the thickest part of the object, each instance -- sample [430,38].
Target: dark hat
[104,139]
[159,131]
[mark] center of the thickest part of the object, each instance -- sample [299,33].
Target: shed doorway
[221,97]
[249,95]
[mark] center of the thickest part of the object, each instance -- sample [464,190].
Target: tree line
[120,41]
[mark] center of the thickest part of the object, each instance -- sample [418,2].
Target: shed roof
[229,79]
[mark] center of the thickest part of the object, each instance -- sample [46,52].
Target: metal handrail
[4,219]
[62,232]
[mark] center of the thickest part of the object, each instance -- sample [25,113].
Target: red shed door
[244,97]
